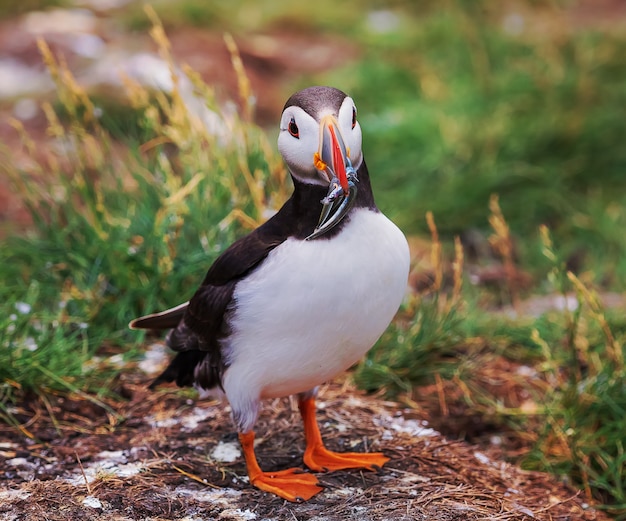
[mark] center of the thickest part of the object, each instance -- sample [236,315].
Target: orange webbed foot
[290,484]
[320,459]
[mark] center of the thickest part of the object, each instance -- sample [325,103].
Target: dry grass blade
[195,477]
[436,257]
[502,243]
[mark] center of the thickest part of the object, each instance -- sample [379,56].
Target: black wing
[202,325]
[199,326]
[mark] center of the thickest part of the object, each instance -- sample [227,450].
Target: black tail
[182,370]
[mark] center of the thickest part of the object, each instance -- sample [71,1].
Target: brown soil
[157,456]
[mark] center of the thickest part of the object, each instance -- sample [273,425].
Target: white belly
[314,308]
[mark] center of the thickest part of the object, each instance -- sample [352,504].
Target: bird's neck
[365,196]
[300,214]
[305,193]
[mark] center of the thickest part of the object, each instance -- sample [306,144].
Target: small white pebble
[226,452]
[495,440]
[243,515]
[30,344]
[23,307]
[18,462]
[92,502]
[526,371]
[482,458]
[117,360]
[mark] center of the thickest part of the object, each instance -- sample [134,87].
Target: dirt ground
[168,455]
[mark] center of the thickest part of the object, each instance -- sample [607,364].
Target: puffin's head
[320,140]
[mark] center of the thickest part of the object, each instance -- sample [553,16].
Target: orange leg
[319,458]
[291,484]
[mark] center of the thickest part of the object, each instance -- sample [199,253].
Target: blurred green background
[458,100]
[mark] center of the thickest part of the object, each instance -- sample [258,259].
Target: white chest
[313,308]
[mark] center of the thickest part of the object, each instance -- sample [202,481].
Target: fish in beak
[333,161]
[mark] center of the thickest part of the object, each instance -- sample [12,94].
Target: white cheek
[297,152]
[285,144]
[351,135]
[355,139]
[292,157]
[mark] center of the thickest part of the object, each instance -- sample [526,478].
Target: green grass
[119,232]
[11,8]
[455,109]
[576,423]
[129,214]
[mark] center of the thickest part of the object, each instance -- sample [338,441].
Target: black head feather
[315,99]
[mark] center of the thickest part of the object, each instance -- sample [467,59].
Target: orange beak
[332,157]
[332,161]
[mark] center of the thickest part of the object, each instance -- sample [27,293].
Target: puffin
[301,298]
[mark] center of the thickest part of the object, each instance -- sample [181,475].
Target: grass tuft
[584,407]
[458,106]
[424,338]
[568,411]
[122,229]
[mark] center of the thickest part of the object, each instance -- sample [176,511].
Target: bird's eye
[353,117]
[293,128]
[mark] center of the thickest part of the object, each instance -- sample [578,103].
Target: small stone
[93,502]
[226,452]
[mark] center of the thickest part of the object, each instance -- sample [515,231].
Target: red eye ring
[293,128]
[353,117]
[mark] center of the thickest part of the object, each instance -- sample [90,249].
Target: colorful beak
[333,160]
[333,152]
